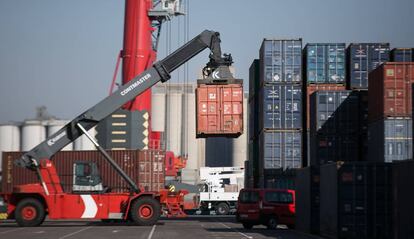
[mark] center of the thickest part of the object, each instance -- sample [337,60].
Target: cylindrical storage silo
[174,122]
[54,126]
[33,133]
[84,143]
[158,112]
[240,143]
[189,142]
[9,139]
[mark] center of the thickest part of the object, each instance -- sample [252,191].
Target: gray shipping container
[390,139]
[356,200]
[280,149]
[281,61]
[307,199]
[334,112]
[280,107]
[403,198]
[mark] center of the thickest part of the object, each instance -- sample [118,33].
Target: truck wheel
[145,211]
[247,225]
[272,223]
[222,209]
[30,212]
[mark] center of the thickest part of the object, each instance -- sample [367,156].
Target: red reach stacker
[29,204]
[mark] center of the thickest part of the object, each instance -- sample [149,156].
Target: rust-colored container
[219,110]
[310,89]
[146,168]
[389,93]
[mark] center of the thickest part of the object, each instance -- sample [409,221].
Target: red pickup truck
[269,207]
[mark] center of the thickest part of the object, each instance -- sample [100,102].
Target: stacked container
[279,108]
[334,120]
[362,59]
[356,200]
[324,70]
[307,199]
[402,55]
[390,112]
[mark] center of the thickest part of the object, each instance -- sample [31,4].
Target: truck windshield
[249,197]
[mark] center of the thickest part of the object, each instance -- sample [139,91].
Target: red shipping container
[219,110]
[146,169]
[310,89]
[389,93]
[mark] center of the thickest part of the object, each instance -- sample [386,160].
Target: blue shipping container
[281,107]
[390,139]
[281,61]
[325,63]
[402,55]
[334,112]
[363,58]
[280,149]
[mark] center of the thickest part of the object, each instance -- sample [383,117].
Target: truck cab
[269,207]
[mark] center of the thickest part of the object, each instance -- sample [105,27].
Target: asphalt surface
[192,227]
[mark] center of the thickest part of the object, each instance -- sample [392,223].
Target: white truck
[220,188]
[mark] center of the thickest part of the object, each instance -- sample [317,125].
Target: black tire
[145,211]
[30,212]
[272,223]
[247,225]
[222,209]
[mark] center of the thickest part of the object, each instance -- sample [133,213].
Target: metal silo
[33,133]
[158,112]
[83,143]
[55,125]
[240,143]
[9,139]
[174,122]
[189,142]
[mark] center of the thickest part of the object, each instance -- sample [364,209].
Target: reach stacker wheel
[30,212]
[145,211]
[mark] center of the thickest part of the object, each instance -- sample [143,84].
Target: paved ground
[198,227]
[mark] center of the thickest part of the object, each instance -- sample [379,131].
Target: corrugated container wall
[146,168]
[310,89]
[324,63]
[281,61]
[390,90]
[335,129]
[363,58]
[356,200]
[280,106]
[279,149]
[254,86]
[390,139]
[402,55]
[219,110]
[307,200]
[403,198]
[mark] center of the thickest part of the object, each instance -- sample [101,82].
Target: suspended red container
[219,109]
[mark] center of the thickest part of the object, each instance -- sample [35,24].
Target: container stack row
[390,112]
[324,70]
[275,100]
